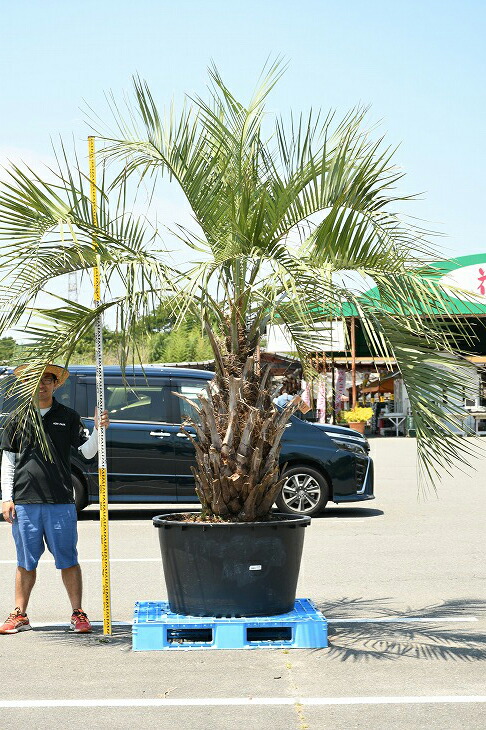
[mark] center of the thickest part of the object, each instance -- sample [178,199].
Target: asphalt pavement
[400,579]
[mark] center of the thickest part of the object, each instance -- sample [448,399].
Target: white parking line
[388,620]
[401,619]
[338,520]
[244,701]
[66,624]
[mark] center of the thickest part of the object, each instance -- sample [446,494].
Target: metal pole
[353,362]
[100,403]
[333,391]
[324,373]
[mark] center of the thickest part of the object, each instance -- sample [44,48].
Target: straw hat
[62,374]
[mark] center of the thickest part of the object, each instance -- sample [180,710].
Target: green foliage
[161,320]
[7,350]
[184,344]
[84,349]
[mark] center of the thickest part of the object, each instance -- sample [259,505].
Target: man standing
[38,498]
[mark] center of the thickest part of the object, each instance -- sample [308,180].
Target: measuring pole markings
[100,399]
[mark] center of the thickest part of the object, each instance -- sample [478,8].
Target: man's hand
[8,511]
[103,422]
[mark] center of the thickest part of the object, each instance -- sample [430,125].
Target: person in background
[287,393]
[38,497]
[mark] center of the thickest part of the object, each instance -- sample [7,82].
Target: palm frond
[329,183]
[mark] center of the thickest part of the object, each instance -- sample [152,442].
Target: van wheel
[80,493]
[304,492]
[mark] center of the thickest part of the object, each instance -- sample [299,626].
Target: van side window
[65,393]
[190,388]
[136,403]
[82,401]
[144,400]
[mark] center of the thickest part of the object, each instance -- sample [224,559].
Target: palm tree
[282,220]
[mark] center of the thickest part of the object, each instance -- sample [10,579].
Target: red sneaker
[80,622]
[16,622]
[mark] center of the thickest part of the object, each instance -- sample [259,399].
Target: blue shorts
[52,524]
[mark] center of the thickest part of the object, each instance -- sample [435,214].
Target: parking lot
[401,581]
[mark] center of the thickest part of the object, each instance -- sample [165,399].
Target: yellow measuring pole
[100,401]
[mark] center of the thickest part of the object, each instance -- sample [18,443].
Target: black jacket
[39,480]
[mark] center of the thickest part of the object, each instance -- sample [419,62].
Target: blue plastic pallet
[156,627]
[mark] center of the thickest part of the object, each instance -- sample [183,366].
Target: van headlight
[352,446]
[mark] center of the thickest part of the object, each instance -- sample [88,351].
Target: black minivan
[150,458]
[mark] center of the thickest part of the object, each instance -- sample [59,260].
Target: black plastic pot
[231,569]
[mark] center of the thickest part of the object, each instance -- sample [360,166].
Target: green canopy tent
[466,275]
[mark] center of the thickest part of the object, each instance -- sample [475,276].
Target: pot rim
[289,520]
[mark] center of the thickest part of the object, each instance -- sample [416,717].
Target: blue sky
[420,65]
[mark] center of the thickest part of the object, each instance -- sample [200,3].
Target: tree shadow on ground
[120,639]
[364,640]
[413,638]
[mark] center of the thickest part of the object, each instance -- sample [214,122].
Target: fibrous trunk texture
[238,434]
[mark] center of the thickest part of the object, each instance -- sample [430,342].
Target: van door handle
[160,434]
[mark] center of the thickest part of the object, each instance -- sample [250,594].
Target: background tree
[169,343]
[185,343]
[7,350]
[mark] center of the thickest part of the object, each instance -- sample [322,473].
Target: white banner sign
[323,337]
[471,278]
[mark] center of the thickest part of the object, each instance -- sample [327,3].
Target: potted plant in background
[357,417]
[280,220]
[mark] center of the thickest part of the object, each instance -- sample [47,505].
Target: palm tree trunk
[238,442]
